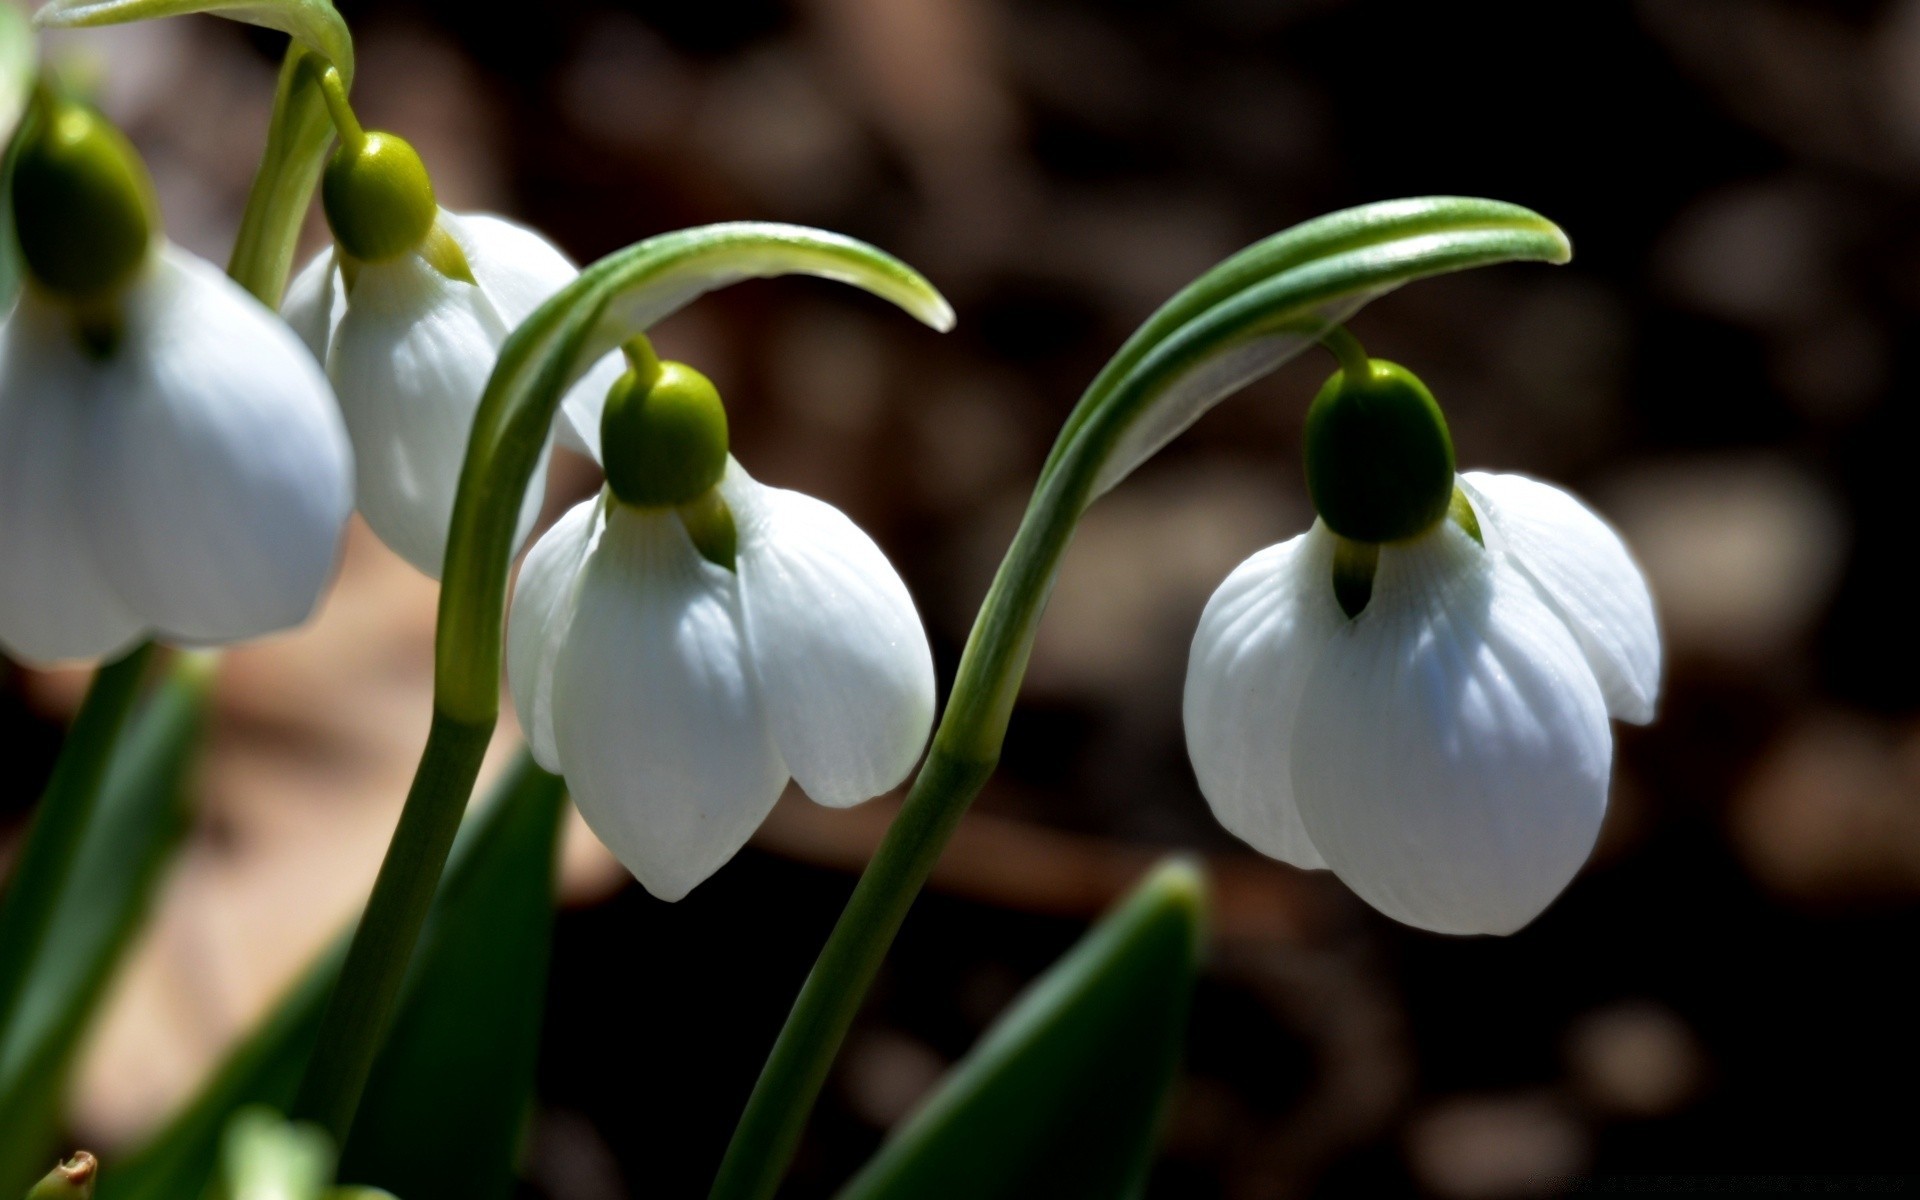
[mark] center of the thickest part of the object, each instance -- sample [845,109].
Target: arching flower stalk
[686,641]
[1416,691]
[172,465]
[407,312]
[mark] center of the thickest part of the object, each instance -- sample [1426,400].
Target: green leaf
[505,838]
[100,901]
[1062,1097]
[312,23]
[444,1109]
[616,297]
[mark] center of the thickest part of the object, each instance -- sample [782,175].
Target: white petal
[841,655]
[520,270]
[1256,644]
[543,598]
[1584,572]
[409,362]
[657,718]
[218,476]
[315,302]
[1452,750]
[55,602]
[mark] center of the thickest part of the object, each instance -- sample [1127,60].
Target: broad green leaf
[500,842]
[98,905]
[613,299]
[444,1109]
[312,23]
[1062,1097]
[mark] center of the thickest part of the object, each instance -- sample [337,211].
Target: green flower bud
[663,434]
[1379,461]
[378,197]
[82,202]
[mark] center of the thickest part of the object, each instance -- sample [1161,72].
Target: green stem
[361,1005]
[61,822]
[298,134]
[1347,348]
[333,90]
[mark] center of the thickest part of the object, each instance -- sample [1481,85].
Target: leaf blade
[1062,1096]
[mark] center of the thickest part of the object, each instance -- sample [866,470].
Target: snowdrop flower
[407,311]
[171,462]
[1415,692]
[684,643]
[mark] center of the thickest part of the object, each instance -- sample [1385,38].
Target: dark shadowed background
[1725,370]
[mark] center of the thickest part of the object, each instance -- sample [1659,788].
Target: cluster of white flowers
[1415,693]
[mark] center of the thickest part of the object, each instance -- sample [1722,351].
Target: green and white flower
[682,645]
[1424,712]
[172,464]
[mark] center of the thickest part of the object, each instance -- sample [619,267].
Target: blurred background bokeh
[1725,370]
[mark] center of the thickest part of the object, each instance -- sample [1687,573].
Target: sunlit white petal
[542,613]
[409,361]
[844,667]
[657,718]
[315,302]
[215,474]
[1452,751]
[519,270]
[55,602]
[1257,642]
[1585,573]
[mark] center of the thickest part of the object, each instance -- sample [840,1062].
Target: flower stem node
[663,433]
[83,204]
[1380,462]
[378,197]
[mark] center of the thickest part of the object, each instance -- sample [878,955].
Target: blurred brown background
[1725,370]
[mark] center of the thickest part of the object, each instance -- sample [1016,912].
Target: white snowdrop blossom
[172,464]
[1445,752]
[409,350]
[677,697]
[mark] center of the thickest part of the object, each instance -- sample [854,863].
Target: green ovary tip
[663,434]
[378,197]
[83,204]
[1380,463]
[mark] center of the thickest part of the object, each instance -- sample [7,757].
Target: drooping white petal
[1585,573]
[542,613]
[216,476]
[519,270]
[55,602]
[843,662]
[656,715]
[1256,645]
[1452,750]
[409,361]
[315,302]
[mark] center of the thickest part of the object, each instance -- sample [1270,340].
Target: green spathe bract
[1379,460]
[378,197]
[82,202]
[663,435]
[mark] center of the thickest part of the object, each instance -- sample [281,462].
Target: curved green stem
[610,302]
[1346,348]
[60,823]
[1254,310]
[298,135]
